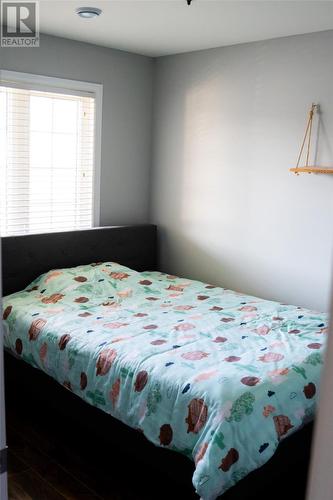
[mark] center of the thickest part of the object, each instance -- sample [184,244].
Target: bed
[221,377]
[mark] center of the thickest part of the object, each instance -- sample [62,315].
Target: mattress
[219,376]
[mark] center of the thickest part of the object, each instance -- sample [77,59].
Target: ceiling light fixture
[88,12]
[189,2]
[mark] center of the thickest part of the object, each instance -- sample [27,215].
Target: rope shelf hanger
[306,145]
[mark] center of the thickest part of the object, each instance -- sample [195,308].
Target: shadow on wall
[230,212]
[223,271]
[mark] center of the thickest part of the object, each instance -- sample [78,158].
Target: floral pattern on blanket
[217,375]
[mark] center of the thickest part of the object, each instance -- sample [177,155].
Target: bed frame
[26,257]
[30,391]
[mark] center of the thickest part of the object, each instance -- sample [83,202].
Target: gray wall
[127,101]
[227,125]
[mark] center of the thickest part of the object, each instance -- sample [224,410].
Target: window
[48,155]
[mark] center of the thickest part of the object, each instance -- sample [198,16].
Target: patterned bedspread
[219,376]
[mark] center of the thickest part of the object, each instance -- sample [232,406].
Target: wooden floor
[42,467]
[36,472]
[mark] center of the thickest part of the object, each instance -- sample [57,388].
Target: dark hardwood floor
[43,466]
[38,470]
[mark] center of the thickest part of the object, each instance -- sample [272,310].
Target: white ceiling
[161,27]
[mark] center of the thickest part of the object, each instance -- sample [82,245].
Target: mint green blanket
[219,376]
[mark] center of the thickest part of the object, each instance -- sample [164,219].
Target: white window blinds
[46,161]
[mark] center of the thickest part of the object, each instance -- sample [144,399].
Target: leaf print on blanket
[154,398]
[141,381]
[205,375]
[201,453]
[166,435]
[81,300]
[64,339]
[232,359]
[145,282]
[262,330]
[300,370]
[271,357]
[278,372]
[268,409]
[87,288]
[115,325]
[309,390]
[195,355]
[314,345]
[220,340]
[158,342]
[96,397]
[282,425]
[183,308]
[197,415]
[202,297]
[175,288]
[250,381]
[124,294]
[43,352]
[219,440]
[119,276]
[231,458]
[227,320]
[314,359]
[36,327]
[52,275]
[53,299]
[184,327]
[114,393]
[83,381]
[18,346]
[7,312]
[241,407]
[80,279]
[105,360]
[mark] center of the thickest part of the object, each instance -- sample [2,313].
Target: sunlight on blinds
[46,161]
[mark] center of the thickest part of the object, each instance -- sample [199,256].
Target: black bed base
[24,258]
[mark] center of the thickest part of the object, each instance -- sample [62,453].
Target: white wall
[127,101]
[227,125]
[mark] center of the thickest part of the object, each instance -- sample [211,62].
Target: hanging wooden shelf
[307,140]
[312,170]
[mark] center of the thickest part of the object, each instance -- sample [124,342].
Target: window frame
[63,85]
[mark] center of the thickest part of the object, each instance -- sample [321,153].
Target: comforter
[219,376]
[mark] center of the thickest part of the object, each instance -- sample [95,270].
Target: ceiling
[161,27]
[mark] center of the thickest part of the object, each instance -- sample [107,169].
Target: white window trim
[51,83]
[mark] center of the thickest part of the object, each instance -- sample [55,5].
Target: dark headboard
[24,258]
